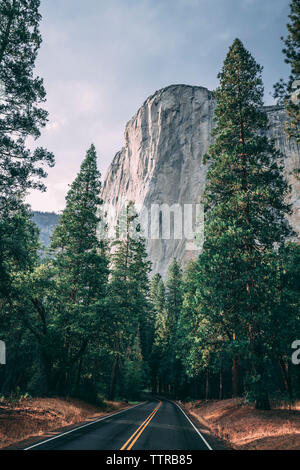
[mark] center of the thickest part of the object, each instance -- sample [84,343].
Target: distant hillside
[46,221]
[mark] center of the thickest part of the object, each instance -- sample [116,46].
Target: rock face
[161,167]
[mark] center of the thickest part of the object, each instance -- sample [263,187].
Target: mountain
[46,221]
[161,166]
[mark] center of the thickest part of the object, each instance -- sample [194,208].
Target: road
[154,425]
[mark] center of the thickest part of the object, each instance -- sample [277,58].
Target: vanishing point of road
[153,425]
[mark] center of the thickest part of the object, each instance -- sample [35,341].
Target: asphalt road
[154,425]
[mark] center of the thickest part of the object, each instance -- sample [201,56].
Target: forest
[87,318]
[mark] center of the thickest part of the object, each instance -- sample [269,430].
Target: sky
[101,59]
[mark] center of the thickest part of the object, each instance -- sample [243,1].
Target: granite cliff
[162,163]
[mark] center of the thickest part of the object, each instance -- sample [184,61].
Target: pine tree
[284,91]
[19,257]
[245,206]
[159,313]
[171,367]
[157,294]
[22,93]
[286,318]
[20,118]
[159,325]
[134,373]
[174,293]
[202,344]
[128,292]
[81,265]
[193,328]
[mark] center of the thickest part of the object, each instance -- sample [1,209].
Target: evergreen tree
[20,169]
[18,254]
[20,113]
[81,265]
[174,293]
[245,205]
[157,294]
[193,328]
[171,367]
[128,292]
[159,325]
[284,91]
[134,373]
[286,317]
[159,313]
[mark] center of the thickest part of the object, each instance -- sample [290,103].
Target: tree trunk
[77,386]
[284,367]
[235,377]
[46,374]
[221,384]
[113,379]
[207,386]
[263,402]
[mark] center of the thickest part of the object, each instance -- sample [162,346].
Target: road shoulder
[244,428]
[215,442]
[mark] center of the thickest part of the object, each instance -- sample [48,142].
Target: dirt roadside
[244,428]
[33,418]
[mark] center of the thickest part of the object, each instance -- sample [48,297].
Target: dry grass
[243,427]
[34,417]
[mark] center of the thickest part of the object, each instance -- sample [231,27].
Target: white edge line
[83,426]
[197,430]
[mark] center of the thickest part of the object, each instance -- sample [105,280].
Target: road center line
[134,437]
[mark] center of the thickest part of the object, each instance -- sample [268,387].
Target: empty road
[154,425]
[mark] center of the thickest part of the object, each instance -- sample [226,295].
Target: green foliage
[168,304]
[20,113]
[20,168]
[18,248]
[128,292]
[245,203]
[160,335]
[80,268]
[134,371]
[283,91]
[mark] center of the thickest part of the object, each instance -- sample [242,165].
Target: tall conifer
[81,266]
[246,208]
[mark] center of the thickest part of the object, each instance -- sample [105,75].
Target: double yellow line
[132,440]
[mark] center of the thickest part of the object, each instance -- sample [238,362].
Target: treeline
[200,354]
[83,319]
[73,318]
[75,322]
